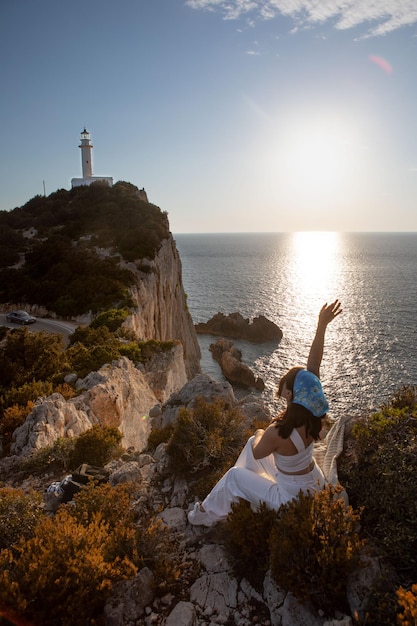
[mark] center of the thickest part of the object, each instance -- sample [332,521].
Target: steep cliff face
[161,304]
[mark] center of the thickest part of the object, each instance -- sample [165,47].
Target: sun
[318,155]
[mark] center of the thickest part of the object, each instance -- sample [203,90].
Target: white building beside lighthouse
[87,164]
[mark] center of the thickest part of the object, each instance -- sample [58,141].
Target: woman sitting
[277,463]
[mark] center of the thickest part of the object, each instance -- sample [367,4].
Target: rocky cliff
[161,304]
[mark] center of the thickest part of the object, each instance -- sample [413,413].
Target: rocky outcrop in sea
[235,371]
[235,326]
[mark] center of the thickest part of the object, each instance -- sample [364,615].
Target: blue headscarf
[308,392]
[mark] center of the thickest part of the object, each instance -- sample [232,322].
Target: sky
[234,115]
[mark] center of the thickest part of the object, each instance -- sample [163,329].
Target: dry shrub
[380,474]
[408,601]
[246,535]
[206,438]
[13,417]
[62,574]
[314,547]
[310,544]
[19,515]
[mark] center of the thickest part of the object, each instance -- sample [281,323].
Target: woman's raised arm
[326,315]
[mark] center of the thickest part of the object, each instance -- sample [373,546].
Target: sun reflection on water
[313,276]
[316,264]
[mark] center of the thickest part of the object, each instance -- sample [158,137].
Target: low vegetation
[63,251]
[379,471]
[62,569]
[36,363]
[204,443]
[310,544]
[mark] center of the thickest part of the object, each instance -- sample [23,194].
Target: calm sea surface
[370,350]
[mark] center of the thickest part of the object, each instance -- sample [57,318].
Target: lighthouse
[86,154]
[87,164]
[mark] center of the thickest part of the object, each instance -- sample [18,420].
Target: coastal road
[46,324]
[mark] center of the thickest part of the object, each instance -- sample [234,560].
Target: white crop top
[295,462]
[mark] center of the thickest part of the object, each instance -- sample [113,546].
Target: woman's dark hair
[289,379]
[296,415]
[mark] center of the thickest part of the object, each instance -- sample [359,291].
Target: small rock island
[235,326]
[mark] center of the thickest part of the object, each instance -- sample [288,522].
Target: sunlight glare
[316,265]
[318,155]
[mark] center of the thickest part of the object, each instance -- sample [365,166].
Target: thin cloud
[379,16]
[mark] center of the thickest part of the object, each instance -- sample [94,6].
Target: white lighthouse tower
[87,164]
[86,154]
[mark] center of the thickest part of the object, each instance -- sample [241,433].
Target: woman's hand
[329,312]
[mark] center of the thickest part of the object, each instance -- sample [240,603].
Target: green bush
[112,319]
[50,459]
[153,346]
[28,356]
[25,393]
[206,439]
[90,359]
[310,544]
[379,472]
[12,417]
[160,435]
[96,446]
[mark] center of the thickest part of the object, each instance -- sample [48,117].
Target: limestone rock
[160,304]
[359,583]
[129,599]
[183,614]
[117,395]
[285,609]
[50,419]
[236,326]
[202,387]
[230,361]
[166,372]
[217,590]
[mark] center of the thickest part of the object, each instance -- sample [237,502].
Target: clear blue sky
[234,115]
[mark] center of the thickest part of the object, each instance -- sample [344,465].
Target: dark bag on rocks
[64,491]
[81,477]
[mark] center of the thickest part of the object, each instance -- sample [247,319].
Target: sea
[370,349]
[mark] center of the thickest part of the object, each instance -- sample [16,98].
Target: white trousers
[258,480]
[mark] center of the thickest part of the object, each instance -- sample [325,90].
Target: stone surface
[230,361]
[129,599]
[359,583]
[184,614]
[218,591]
[201,386]
[161,310]
[236,326]
[117,395]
